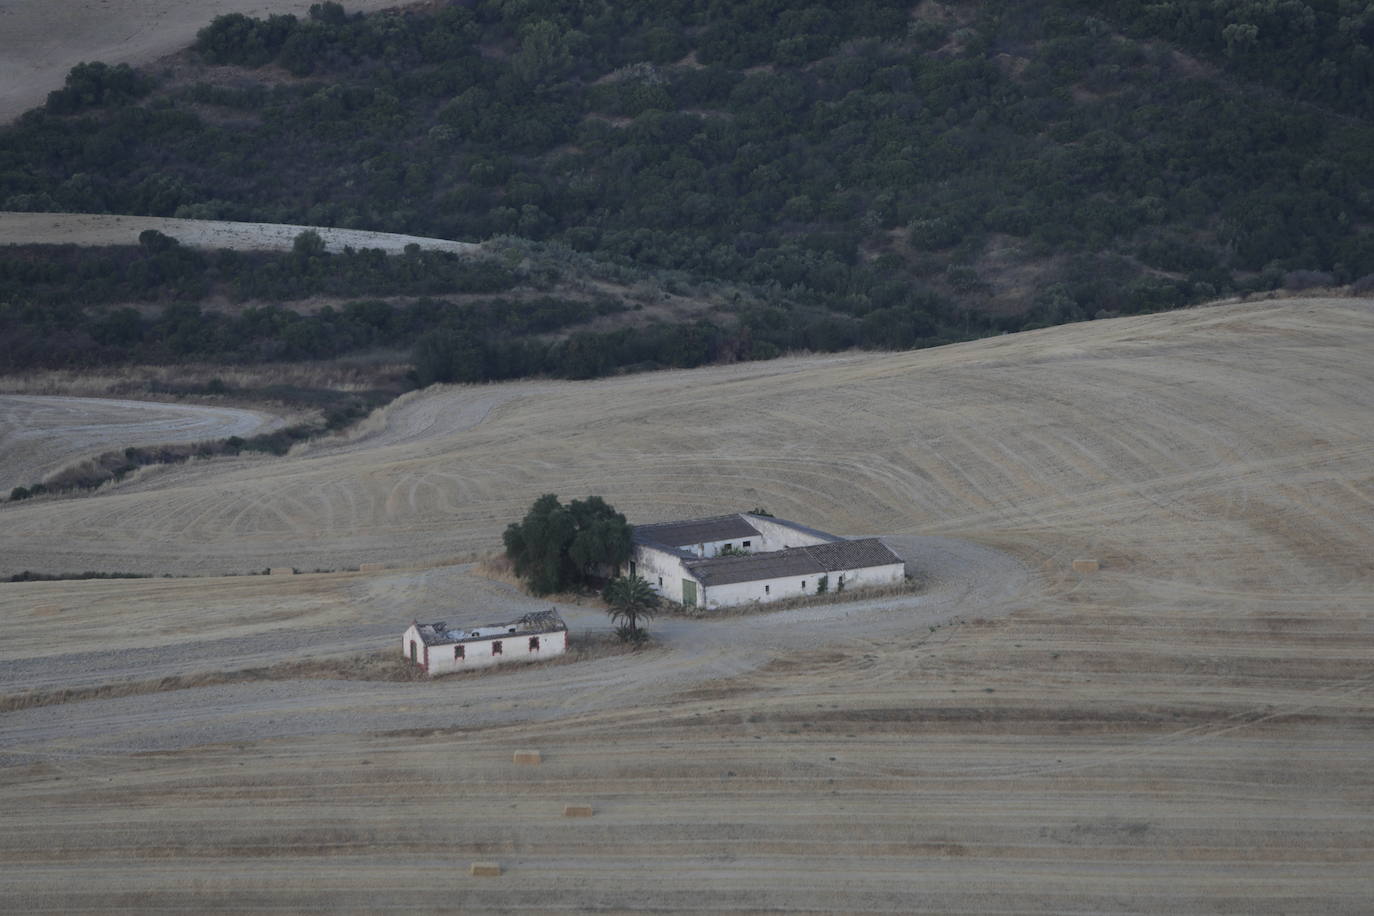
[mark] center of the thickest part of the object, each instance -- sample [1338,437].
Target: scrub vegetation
[870,175]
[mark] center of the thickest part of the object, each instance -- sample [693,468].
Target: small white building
[440,650]
[742,558]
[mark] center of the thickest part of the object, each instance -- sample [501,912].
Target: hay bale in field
[1085,566]
[485,869]
[371,567]
[47,610]
[528,758]
[282,571]
[577,810]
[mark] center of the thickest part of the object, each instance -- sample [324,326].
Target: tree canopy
[556,547]
[884,176]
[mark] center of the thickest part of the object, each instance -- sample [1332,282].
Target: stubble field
[1186,730]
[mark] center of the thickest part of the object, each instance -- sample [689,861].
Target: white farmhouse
[439,650]
[742,558]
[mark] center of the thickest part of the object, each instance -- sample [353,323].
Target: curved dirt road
[40,434]
[962,580]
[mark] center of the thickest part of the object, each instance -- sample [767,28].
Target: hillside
[41,42]
[1186,730]
[907,175]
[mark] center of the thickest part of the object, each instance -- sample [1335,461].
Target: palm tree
[631,599]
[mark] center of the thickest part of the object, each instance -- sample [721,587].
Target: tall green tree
[556,547]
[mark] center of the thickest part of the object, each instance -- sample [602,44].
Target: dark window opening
[660,581]
[632,567]
[766,589]
[534,643]
[460,652]
[803,585]
[747,543]
[496,647]
[414,656]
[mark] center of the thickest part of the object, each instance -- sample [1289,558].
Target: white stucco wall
[713,548]
[765,590]
[780,537]
[892,574]
[515,647]
[652,564]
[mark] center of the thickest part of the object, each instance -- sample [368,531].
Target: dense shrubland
[868,175]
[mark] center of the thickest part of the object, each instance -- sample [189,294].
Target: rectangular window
[496,647]
[660,581]
[460,652]
[803,585]
[632,567]
[414,656]
[727,546]
[766,589]
[747,543]
[534,643]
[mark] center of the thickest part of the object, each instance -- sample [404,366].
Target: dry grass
[144,382]
[382,665]
[495,565]
[1186,730]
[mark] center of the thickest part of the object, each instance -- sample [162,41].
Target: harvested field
[1185,729]
[106,229]
[40,434]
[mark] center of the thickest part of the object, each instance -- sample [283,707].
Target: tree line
[858,159]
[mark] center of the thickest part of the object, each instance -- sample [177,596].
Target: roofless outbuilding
[737,559]
[440,650]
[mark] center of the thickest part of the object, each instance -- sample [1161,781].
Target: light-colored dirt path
[110,229]
[961,576]
[40,42]
[1187,730]
[40,434]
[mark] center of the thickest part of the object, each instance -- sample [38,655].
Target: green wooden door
[689,593]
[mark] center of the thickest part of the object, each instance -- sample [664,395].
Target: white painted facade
[662,570]
[669,556]
[448,651]
[779,536]
[764,590]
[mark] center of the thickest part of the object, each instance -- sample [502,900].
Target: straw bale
[485,869]
[577,810]
[533,758]
[1085,566]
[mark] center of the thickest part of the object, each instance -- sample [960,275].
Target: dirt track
[107,229]
[41,434]
[1187,730]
